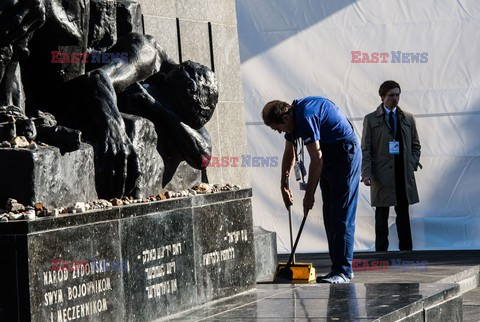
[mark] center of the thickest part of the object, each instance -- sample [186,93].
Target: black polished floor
[390,294]
[315,302]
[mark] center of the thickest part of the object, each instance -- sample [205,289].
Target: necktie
[391,121]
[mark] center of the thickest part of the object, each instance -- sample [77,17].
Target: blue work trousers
[339,183]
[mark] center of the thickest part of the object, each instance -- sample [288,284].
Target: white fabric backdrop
[296,48]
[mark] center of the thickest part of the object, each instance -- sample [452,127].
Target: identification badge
[394,147]
[296,169]
[303,171]
[303,186]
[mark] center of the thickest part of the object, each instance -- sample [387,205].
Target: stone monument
[68,81]
[92,107]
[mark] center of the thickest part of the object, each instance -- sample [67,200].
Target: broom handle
[291,233]
[290,223]
[292,255]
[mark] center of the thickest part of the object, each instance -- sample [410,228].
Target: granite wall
[139,262]
[205,31]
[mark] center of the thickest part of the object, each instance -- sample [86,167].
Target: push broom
[291,271]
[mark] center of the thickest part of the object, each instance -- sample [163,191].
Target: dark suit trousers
[403,217]
[403,228]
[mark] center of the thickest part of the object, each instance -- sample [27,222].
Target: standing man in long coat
[391,154]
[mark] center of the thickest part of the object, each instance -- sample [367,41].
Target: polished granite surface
[438,266]
[373,295]
[324,302]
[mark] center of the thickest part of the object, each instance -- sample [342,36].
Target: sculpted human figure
[89,103]
[84,96]
[18,21]
[180,100]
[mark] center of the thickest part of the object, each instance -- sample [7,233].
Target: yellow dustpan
[291,271]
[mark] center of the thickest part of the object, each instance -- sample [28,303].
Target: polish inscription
[78,293]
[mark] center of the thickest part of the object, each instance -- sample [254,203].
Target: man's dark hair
[273,111]
[386,86]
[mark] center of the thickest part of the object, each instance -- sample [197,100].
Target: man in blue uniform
[335,159]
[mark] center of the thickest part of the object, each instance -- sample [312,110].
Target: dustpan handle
[291,233]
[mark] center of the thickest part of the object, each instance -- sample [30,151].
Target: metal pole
[298,237]
[290,225]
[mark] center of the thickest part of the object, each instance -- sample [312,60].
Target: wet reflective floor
[323,302]
[392,294]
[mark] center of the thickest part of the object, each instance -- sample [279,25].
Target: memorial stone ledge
[137,262]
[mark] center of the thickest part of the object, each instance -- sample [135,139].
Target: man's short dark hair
[386,86]
[273,111]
